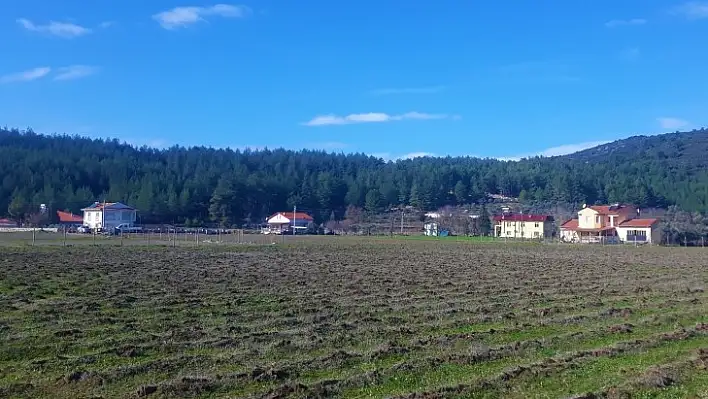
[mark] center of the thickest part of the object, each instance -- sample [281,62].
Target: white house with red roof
[107,216]
[523,226]
[281,222]
[611,224]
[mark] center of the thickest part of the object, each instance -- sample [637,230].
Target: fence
[166,238]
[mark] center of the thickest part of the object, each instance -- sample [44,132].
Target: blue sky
[392,78]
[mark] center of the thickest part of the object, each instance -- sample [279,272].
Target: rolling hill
[198,185]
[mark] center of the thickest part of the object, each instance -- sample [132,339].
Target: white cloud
[159,144]
[387,156]
[180,17]
[26,76]
[408,90]
[420,154]
[60,29]
[106,24]
[625,22]
[672,123]
[75,72]
[557,151]
[692,10]
[372,117]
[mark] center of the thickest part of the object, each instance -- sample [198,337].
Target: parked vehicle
[126,228]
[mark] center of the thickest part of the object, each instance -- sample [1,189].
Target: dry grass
[337,317]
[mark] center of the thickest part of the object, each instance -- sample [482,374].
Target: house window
[535,225]
[587,219]
[535,233]
[597,219]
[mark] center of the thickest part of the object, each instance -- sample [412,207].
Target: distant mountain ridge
[689,149]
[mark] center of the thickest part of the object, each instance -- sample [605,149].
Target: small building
[610,224]
[68,219]
[282,222]
[523,226]
[640,231]
[106,216]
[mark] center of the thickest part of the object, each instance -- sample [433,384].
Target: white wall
[652,236]
[92,219]
[569,235]
[113,218]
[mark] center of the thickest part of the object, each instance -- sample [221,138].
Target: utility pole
[294,218]
[402,221]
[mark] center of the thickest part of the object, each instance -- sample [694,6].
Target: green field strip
[558,345]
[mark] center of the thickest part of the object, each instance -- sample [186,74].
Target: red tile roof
[289,215]
[639,223]
[66,217]
[521,218]
[572,224]
[612,210]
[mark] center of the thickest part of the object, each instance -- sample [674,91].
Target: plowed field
[354,318]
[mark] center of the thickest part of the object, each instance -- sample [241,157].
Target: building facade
[610,224]
[523,226]
[282,222]
[106,216]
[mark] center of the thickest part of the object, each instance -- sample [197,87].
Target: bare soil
[353,317]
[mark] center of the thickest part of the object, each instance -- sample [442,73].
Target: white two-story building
[109,215]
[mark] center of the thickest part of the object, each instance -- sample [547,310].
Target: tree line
[201,185]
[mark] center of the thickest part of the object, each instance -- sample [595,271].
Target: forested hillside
[203,184]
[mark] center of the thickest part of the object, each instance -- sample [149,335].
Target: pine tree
[374,201]
[18,207]
[461,194]
[485,222]
[225,206]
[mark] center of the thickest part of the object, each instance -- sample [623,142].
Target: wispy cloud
[372,117]
[180,17]
[692,10]
[159,144]
[75,72]
[419,154]
[557,151]
[672,123]
[409,90]
[625,22]
[25,76]
[60,29]
[387,156]
[106,24]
